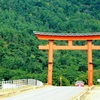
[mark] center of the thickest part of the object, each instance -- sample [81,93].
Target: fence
[19,83]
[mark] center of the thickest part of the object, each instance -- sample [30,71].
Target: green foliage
[96,75]
[19,53]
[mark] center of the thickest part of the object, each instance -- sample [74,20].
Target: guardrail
[20,83]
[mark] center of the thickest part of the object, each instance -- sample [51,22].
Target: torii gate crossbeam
[70,38]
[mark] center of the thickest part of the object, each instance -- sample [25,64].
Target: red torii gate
[70,37]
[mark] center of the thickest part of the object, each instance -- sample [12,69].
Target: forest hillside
[20,57]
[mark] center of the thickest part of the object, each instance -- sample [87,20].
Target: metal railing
[20,83]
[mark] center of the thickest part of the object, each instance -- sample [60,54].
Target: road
[49,93]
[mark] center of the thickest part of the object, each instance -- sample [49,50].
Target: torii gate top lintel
[68,36]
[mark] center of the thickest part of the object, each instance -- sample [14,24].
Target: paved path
[49,93]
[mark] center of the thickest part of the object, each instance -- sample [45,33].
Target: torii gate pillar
[90,64]
[50,62]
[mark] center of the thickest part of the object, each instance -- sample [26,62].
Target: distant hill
[19,54]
